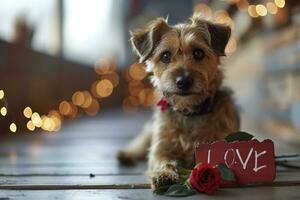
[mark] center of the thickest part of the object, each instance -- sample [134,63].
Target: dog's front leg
[162,164]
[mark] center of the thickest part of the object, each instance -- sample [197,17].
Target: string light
[30,126]
[280,3]
[13,127]
[84,99]
[137,71]
[3,111]
[272,8]
[64,108]
[36,119]
[78,98]
[252,11]
[27,112]
[203,9]
[261,10]
[104,88]
[1,94]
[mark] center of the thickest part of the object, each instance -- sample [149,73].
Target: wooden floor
[60,165]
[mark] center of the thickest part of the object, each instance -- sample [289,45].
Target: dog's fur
[172,135]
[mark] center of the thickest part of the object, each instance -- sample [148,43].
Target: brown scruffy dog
[185,63]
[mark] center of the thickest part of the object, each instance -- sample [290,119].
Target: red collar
[204,108]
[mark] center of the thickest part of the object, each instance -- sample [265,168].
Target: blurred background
[62,61]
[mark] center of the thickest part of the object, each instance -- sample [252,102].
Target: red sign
[251,161]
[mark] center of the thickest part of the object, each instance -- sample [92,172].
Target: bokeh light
[242,5]
[272,8]
[93,109]
[113,77]
[87,101]
[36,119]
[137,71]
[27,112]
[261,10]
[65,108]
[3,111]
[135,87]
[203,9]
[231,46]
[13,127]
[104,66]
[1,94]
[252,11]
[78,98]
[280,3]
[104,88]
[30,126]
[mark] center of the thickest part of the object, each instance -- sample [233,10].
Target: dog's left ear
[219,33]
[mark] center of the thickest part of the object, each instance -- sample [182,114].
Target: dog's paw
[125,158]
[164,178]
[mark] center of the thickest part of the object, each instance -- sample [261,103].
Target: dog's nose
[184,82]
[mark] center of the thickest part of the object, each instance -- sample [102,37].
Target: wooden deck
[79,163]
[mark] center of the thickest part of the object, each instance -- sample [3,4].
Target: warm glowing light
[65,108]
[13,127]
[104,66]
[150,98]
[48,124]
[203,9]
[93,109]
[27,112]
[30,126]
[78,98]
[113,77]
[104,88]
[147,97]
[222,17]
[87,99]
[56,114]
[137,71]
[57,123]
[1,94]
[242,5]
[272,8]
[261,10]
[93,89]
[280,3]
[73,112]
[3,111]
[36,119]
[135,87]
[231,46]
[252,11]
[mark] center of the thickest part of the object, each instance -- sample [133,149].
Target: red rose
[205,178]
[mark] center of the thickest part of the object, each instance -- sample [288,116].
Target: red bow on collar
[163,104]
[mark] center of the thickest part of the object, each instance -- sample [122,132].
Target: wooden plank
[274,193]
[109,182]
[74,180]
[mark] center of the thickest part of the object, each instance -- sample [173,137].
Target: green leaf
[226,173]
[239,136]
[183,171]
[180,191]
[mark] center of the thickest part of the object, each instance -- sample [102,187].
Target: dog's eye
[198,54]
[166,57]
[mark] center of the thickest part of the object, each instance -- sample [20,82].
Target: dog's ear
[219,33]
[145,40]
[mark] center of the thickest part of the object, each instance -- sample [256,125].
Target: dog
[184,61]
